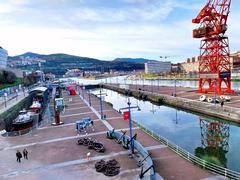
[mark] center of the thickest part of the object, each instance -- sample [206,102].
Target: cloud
[104,29]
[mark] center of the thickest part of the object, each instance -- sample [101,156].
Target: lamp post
[101,105]
[5,99]
[129,107]
[83,88]
[214,86]
[89,98]
[143,83]
[152,85]
[174,94]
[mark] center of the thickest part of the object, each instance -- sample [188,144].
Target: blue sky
[106,29]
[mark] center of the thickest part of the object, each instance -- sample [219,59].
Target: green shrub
[7,77]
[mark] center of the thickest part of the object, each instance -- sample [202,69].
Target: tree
[7,77]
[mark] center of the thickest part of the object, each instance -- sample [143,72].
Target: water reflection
[205,137]
[214,139]
[153,110]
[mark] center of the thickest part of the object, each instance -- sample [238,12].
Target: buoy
[227,98]
[209,99]
[222,97]
[202,98]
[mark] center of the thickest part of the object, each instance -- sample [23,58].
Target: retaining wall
[227,113]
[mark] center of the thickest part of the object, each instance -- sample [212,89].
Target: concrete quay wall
[226,113]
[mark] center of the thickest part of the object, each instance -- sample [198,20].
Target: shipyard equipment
[214,63]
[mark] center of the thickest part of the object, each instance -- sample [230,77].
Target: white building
[3,58]
[158,67]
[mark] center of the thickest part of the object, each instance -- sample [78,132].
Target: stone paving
[184,92]
[54,154]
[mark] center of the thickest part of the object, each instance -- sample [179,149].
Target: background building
[157,67]
[190,65]
[3,58]
[235,62]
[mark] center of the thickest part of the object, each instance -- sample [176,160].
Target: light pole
[5,99]
[130,121]
[89,98]
[214,86]
[101,105]
[152,85]
[143,83]
[174,94]
[82,90]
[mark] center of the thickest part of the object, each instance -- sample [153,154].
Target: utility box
[59,104]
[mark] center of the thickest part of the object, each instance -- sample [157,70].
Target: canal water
[124,80]
[212,139]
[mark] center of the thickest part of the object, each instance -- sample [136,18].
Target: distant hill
[134,60]
[30,54]
[59,63]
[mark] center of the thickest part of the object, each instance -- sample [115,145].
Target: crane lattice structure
[214,63]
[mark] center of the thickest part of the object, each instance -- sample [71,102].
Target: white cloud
[135,29]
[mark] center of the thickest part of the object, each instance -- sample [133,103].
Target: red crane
[214,63]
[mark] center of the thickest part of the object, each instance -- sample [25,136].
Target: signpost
[127,116]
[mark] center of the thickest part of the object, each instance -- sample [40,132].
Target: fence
[192,158]
[142,151]
[224,112]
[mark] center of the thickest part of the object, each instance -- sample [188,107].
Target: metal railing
[142,150]
[193,105]
[192,158]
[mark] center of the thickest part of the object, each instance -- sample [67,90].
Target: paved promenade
[184,92]
[11,101]
[54,154]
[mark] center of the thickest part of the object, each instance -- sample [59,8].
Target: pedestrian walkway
[4,106]
[171,167]
[54,154]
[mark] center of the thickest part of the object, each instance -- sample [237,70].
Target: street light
[82,90]
[214,86]
[101,105]
[130,121]
[89,98]
[152,85]
[5,99]
[143,82]
[174,94]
